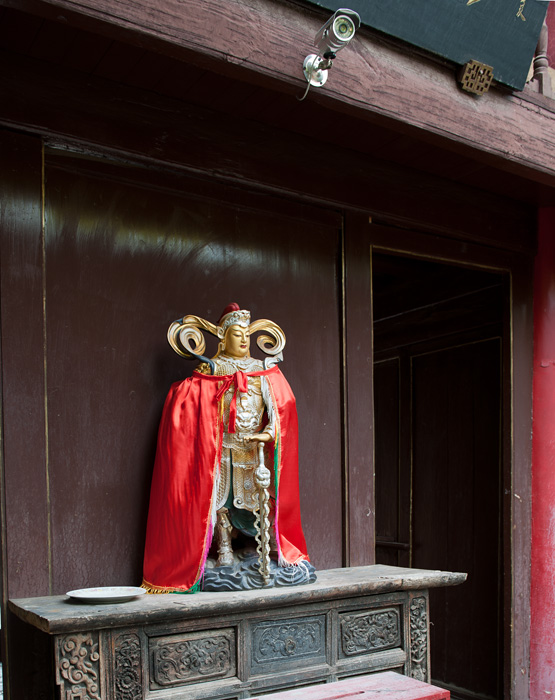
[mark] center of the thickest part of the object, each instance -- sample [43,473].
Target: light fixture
[336,33]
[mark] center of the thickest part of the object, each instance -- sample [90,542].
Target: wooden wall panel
[358,398]
[25,468]
[122,262]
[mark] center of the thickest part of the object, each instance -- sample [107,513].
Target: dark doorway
[438,341]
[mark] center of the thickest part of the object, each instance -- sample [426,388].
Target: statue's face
[237,341]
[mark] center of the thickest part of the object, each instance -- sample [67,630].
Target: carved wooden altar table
[232,645]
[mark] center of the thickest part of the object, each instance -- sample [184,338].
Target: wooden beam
[97,115]
[269,39]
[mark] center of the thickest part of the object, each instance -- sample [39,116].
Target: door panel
[456,514]
[391,541]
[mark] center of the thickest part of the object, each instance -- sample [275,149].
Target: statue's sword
[262,480]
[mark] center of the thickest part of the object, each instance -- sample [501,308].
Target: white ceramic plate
[106,594]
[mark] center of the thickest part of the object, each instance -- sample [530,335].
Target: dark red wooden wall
[98,258]
[139,188]
[117,262]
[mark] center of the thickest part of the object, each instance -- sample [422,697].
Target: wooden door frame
[362,239]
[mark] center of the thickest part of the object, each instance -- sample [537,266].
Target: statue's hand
[258,437]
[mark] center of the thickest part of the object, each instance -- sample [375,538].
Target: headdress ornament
[185,334]
[233,315]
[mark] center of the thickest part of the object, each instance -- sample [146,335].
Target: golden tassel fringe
[158,590]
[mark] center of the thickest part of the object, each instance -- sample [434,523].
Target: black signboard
[500,33]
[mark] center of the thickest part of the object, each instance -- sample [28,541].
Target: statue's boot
[224,528]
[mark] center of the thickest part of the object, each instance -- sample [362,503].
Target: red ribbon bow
[239,379]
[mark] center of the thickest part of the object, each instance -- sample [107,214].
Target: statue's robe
[182,511]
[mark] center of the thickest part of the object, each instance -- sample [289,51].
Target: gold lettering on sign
[471,2]
[520,12]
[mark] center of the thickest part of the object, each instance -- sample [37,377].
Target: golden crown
[236,318]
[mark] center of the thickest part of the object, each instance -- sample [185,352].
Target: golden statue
[219,429]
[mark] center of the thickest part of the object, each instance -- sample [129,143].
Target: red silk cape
[181,513]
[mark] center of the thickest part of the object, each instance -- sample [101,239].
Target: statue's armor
[240,458]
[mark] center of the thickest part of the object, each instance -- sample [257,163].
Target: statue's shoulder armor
[203,368]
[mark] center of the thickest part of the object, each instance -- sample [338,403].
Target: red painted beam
[542,644]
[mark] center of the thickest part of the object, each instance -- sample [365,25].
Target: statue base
[244,574]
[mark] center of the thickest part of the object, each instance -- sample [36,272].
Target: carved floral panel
[419,639]
[371,630]
[192,658]
[284,641]
[127,667]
